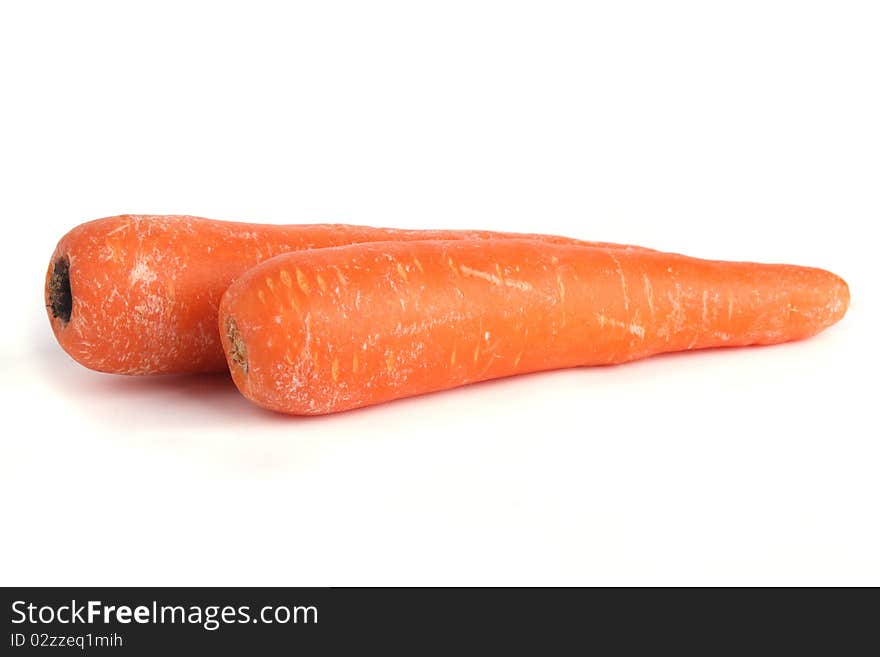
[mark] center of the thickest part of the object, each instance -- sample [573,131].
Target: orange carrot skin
[144,290]
[325,331]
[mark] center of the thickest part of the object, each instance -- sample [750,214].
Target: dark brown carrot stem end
[237,349]
[59,295]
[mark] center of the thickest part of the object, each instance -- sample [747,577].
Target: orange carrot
[139,294]
[334,329]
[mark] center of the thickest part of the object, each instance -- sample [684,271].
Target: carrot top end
[237,348]
[59,295]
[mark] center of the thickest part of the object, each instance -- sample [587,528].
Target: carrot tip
[59,295]
[237,348]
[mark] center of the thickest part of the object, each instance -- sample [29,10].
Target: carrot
[139,294]
[334,329]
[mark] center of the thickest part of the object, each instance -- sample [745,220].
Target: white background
[738,130]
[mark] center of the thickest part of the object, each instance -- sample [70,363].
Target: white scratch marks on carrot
[112,253]
[561,288]
[622,281]
[285,277]
[343,281]
[390,361]
[649,293]
[401,271]
[418,265]
[495,280]
[486,276]
[523,348]
[705,315]
[141,273]
[334,369]
[452,266]
[302,281]
[321,282]
[632,327]
[676,315]
[270,284]
[117,229]
[482,374]
[307,339]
